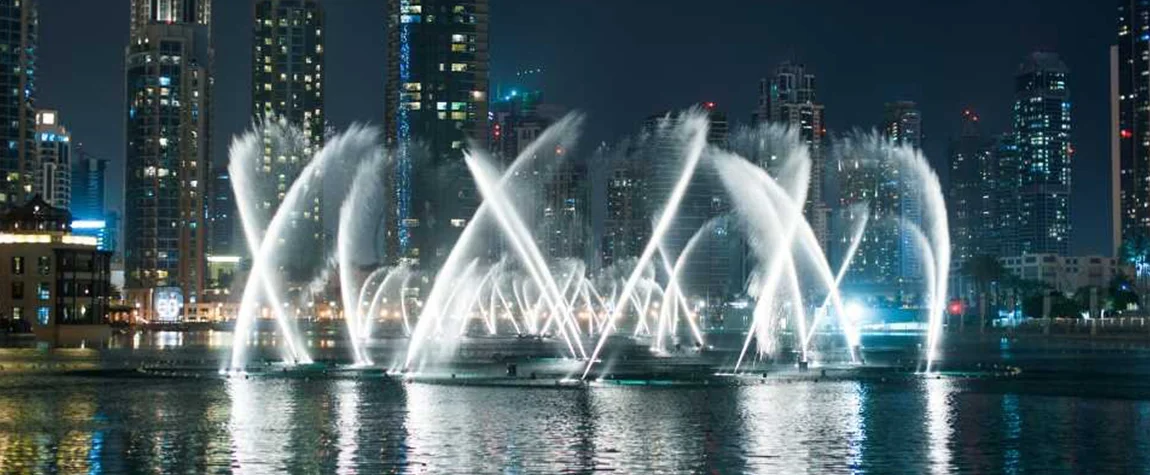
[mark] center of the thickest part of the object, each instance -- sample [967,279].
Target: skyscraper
[436,100]
[1042,129]
[887,255]
[970,197]
[660,160]
[903,127]
[52,179]
[88,175]
[554,183]
[1130,124]
[224,238]
[19,28]
[788,97]
[169,87]
[625,229]
[287,85]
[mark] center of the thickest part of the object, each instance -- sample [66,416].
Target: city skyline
[851,92]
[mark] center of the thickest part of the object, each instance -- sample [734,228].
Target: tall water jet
[246,163]
[366,190]
[695,126]
[922,235]
[558,135]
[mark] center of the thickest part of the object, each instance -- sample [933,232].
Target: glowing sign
[167,303]
[89,224]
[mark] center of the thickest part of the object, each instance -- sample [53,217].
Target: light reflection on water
[105,425]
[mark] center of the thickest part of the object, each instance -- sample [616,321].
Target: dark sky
[622,60]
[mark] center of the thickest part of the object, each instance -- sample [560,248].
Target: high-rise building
[1130,124]
[88,184]
[788,97]
[887,256]
[903,127]
[435,102]
[565,224]
[555,183]
[223,217]
[19,28]
[287,85]
[715,258]
[52,179]
[169,88]
[1004,182]
[89,212]
[1042,129]
[625,227]
[970,197]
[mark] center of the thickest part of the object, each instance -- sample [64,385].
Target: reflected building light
[347,398]
[938,424]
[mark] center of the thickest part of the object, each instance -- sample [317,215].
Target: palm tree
[984,270]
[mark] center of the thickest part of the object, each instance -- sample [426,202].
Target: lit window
[458,67]
[18,265]
[44,291]
[42,316]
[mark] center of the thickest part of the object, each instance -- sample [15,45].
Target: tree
[1122,294]
[984,270]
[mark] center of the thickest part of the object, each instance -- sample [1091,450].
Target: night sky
[620,61]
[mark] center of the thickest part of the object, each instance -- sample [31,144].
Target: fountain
[508,287]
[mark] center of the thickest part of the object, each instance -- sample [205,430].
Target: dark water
[1058,420]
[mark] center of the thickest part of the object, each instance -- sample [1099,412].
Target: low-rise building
[1066,274]
[55,281]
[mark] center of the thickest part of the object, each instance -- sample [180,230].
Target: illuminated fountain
[496,280]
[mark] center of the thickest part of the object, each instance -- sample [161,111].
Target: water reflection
[70,424]
[938,423]
[347,398]
[261,416]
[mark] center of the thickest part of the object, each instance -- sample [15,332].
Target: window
[18,265]
[458,67]
[17,313]
[42,315]
[44,291]
[44,265]
[17,291]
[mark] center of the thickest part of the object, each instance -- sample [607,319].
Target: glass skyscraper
[1042,133]
[169,88]
[19,27]
[1130,124]
[788,97]
[436,101]
[287,86]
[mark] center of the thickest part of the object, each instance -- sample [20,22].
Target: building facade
[789,97]
[1130,125]
[53,177]
[54,283]
[1042,134]
[19,30]
[970,197]
[287,86]
[887,255]
[435,102]
[169,89]
[89,175]
[1066,274]
[902,126]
